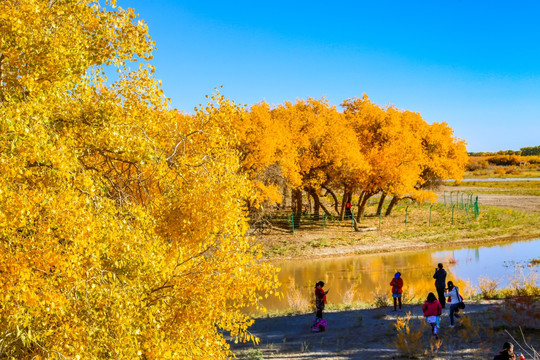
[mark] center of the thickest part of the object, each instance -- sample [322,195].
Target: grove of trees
[123,221]
[311,147]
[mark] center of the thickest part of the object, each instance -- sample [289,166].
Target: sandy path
[369,333]
[524,203]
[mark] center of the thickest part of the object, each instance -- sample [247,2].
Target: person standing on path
[397,289]
[348,210]
[440,283]
[432,311]
[453,300]
[320,300]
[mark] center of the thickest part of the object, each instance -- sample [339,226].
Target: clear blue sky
[475,65]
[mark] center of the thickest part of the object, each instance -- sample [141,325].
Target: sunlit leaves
[121,221]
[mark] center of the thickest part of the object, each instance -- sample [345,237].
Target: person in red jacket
[320,300]
[397,289]
[432,309]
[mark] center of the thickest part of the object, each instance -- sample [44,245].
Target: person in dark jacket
[440,283]
[348,210]
[507,353]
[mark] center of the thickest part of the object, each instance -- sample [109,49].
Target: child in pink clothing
[432,311]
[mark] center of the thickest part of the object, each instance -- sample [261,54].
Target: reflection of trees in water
[361,275]
[364,274]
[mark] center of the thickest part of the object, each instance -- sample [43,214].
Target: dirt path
[524,203]
[369,334]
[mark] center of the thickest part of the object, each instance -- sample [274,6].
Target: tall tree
[119,217]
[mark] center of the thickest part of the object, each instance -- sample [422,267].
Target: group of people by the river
[432,307]
[447,293]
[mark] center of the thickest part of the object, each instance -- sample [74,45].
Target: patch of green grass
[318,243]
[349,306]
[280,249]
[492,221]
[255,354]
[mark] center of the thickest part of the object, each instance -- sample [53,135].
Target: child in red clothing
[320,300]
[397,289]
[432,311]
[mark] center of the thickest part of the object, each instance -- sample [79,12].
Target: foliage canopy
[121,221]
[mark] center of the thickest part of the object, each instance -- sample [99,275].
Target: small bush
[297,301]
[488,287]
[381,298]
[255,354]
[408,342]
[348,297]
[524,285]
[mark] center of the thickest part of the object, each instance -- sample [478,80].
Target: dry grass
[348,297]
[488,287]
[297,301]
[408,341]
[380,298]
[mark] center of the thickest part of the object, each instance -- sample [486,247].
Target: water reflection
[499,179]
[366,275]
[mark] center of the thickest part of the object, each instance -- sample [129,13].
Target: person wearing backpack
[454,300]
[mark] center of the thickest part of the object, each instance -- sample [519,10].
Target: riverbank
[412,226]
[372,334]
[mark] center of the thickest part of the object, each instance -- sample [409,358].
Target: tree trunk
[285,192]
[325,210]
[333,196]
[297,206]
[346,196]
[316,204]
[381,203]
[362,201]
[393,202]
[2,98]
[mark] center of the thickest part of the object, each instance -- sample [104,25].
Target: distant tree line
[524,151]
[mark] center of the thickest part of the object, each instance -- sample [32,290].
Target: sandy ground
[370,334]
[517,202]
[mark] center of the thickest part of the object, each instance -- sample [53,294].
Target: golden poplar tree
[121,222]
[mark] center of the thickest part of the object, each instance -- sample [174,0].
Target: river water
[363,277]
[500,179]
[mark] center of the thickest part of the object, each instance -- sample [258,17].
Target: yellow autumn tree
[260,143]
[391,143]
[121,221]
[317,146]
